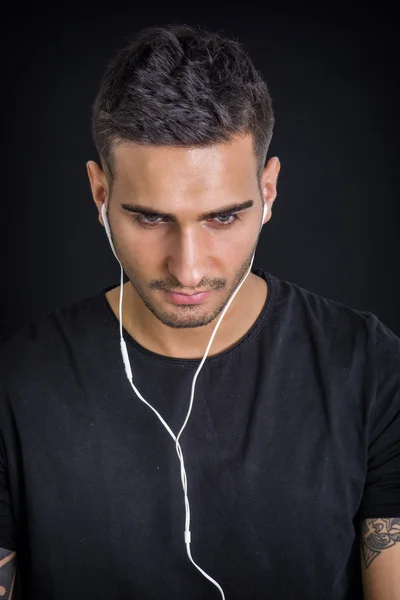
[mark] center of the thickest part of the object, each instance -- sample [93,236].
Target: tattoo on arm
[377,535]
[7,573]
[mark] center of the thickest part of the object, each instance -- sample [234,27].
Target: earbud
[107,227]
[105,219]
[265,210]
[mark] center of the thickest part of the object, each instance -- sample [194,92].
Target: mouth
[197,298]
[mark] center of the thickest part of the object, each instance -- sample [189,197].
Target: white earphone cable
[128,370]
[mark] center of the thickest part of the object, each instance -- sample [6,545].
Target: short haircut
[181,86]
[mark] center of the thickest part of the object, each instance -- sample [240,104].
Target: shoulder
[354,344]
[324,316]
[46,340]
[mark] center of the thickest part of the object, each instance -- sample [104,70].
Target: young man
[292,444]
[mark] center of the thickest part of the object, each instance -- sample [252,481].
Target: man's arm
[8,563]
[380,558]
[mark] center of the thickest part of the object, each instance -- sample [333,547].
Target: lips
[183,294]
[178,298]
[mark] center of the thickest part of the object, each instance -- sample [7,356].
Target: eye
[147,220]
[231,219]
[151,221]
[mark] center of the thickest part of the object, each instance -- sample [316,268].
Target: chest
[274,467]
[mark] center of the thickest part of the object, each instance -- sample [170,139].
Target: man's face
[188,251]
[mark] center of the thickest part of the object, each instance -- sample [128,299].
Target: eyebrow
[223,210]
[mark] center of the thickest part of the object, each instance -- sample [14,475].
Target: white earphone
[128,371]
[265,210]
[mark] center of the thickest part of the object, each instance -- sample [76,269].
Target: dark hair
[181,86]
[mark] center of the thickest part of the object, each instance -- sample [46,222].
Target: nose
[187,257]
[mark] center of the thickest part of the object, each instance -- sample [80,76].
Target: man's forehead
[216,160]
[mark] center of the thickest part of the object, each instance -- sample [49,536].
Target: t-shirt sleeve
[7,525]
[381,497]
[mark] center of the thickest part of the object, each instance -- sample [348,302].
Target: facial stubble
[189,315]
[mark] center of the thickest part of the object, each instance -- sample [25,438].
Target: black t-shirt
[294,437]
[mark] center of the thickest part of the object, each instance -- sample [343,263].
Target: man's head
[182,123]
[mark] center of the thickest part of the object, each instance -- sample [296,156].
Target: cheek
[141,256]
[137,250]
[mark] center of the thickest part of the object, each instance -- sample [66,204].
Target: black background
[334,79]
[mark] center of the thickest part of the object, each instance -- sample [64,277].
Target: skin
[186,255]
[7,573]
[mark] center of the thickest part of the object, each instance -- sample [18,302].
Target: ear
[99,186]
[269,182]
